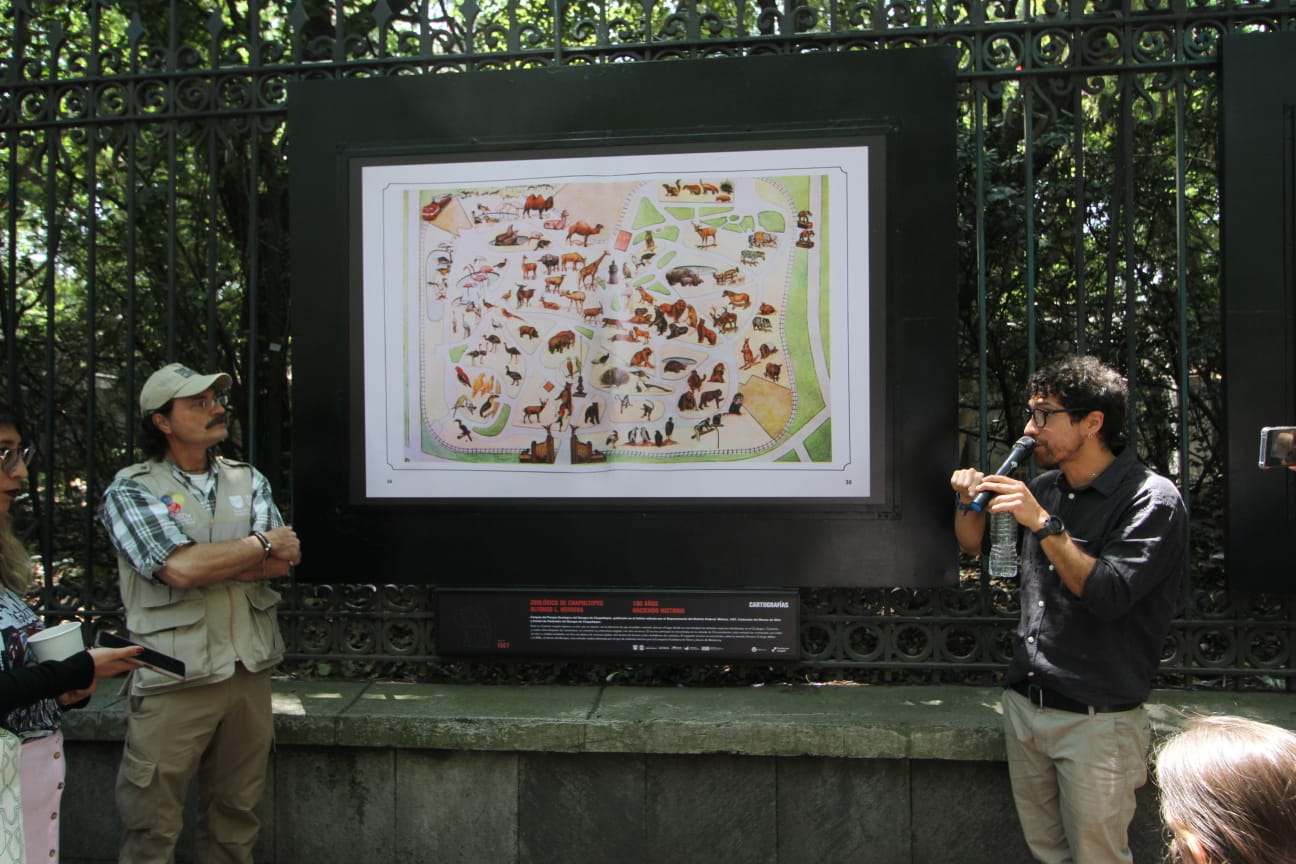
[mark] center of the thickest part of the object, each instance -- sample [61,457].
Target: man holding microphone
[1102,564]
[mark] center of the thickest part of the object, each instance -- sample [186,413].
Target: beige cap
[176,380]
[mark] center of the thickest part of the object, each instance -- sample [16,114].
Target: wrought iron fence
[145,219]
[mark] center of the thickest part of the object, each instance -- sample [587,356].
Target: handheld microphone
[1024,445]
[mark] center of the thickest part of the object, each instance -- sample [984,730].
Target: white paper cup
[58,642]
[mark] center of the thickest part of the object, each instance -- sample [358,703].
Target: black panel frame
[1258,216]
[901,102]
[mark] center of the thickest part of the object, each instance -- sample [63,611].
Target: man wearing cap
[196,537]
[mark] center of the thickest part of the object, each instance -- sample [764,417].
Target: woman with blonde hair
[1228,792]
[31,693]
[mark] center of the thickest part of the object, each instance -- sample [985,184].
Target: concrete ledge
[584,775]
[924,723]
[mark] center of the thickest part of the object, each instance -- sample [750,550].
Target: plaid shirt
[143,532]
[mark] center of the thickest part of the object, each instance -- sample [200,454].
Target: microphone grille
[1025,441]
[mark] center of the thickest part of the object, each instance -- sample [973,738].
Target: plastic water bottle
[1003,546]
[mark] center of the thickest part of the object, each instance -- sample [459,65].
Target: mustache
[218,420]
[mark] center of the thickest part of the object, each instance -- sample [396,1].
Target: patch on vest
[174,502]
[239,504]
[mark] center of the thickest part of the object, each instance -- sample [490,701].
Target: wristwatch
[1053,525]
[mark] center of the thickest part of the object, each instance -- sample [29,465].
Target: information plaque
[647,624]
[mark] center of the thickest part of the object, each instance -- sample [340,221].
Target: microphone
[1024,445]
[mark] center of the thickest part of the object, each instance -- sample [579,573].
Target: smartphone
[1277,446]
[155,660]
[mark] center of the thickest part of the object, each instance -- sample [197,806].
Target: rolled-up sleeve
[139,526]
[1145,551]
[265,515]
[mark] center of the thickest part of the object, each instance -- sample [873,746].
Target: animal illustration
[680,276]
[584,231]
[737,301]
[528,331]
[575,298]
[532,412]
[761,238]
[557,224]
[725,322]
[561,341]
[538,203]
[705,333]
[575,259]
[529,268]
[772,371]
[589,271]
[751,257]
[706,234]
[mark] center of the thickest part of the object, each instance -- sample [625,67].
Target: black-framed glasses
[1040,416]
[9,458]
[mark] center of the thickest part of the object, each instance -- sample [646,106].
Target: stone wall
[433,773]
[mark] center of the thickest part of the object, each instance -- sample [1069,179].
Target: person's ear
[1095,422]
[161,422]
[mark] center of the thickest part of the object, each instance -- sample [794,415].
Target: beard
[1044,458]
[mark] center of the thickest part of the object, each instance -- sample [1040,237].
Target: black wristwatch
[1053,525]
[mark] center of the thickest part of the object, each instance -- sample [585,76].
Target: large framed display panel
[548,334]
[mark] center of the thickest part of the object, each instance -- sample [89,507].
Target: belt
[1042,697]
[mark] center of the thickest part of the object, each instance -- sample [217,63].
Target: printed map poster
[683,325]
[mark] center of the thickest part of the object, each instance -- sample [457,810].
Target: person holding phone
[197,536]
[33,695]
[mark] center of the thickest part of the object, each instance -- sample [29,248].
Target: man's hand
[1013,496]
[284,544]
[965,481]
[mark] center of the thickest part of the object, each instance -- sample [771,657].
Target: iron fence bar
[91,314]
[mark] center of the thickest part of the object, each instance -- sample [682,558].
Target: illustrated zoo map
[653,326]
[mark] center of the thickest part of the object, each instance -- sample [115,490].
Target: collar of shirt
[1107,482]
[206,483]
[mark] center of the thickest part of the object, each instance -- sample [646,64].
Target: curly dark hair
[152,441]
[1085,384]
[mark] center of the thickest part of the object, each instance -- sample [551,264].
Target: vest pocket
[178,629]
[267,641]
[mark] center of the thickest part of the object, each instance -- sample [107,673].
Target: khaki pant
[1073,779]
[223,732]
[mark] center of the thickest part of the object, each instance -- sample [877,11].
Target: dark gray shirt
[1103,648]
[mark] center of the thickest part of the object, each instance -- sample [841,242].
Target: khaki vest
[212,627]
